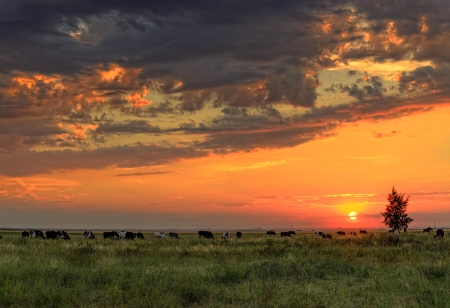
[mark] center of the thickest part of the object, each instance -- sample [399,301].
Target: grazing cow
[88,234]
[25,234]
[428,230]
[122,234]
[53,235]
[37,233]
[159,235]
[340,233]
[439,234]
[129,235]
[140,236]
[292,233]
[319,233]
[174,235]
[63,235]
[285,234]
[226,235]
[363,232]
[326,236]
[205,234]
[271,232]
[114,235]
[238,234]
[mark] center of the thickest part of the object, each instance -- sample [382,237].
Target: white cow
[122,234]
[88,234]
[375,234]
[159,235]
[226,235]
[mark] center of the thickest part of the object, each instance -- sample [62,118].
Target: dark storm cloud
[131,127]
[32,162]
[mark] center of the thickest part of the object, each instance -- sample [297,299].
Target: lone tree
[395,216]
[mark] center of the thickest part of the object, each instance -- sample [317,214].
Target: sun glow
[352,215]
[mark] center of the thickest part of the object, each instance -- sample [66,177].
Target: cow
[139,235]
[226,235]
[292,233]
[340,233]
[285,234]
[25,234]
[63,235]
[159,235]
[114,235]
[363,232]
[88,234]
[326,236]
[37,233]
[271,232]
[439,234]
[319,233]
[238,234]
[374,234]
[52,235]
[122,234]
[174,235]
[428,230]
[353,233]
[205,234]
[129,235]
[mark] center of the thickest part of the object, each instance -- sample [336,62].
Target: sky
[223,114]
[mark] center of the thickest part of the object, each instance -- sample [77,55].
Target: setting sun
[352,215]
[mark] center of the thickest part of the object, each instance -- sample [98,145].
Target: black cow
[205,234]
[174,235]
[129,235]
[439,234]
[88,234]
[292,233]
[52,235]
[25,234]
[238,234]
[326,236]
[340,233]
[111,235]
[140,236]
[1,237]
[271,232]
[285,234]
[428,230]
[363,232]
[37,233]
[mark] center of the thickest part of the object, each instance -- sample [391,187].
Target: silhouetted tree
[395,216]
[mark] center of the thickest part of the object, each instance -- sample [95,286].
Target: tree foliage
[395,216]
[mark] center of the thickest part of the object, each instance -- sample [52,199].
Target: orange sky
[239,124]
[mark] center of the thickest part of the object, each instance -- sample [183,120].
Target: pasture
[407,270]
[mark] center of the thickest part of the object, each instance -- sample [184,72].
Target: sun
[352,215]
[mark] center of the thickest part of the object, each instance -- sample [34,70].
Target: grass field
[409,270]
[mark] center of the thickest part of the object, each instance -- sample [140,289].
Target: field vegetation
[407,270]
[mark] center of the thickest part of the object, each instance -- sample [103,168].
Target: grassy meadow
[407,270]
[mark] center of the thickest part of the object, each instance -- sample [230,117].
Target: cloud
[142,173]
[384,135]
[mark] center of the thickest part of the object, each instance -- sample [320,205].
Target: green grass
[410,270]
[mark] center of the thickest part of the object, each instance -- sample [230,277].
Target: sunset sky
[223,114]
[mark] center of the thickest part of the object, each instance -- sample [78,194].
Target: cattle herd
[61,234]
